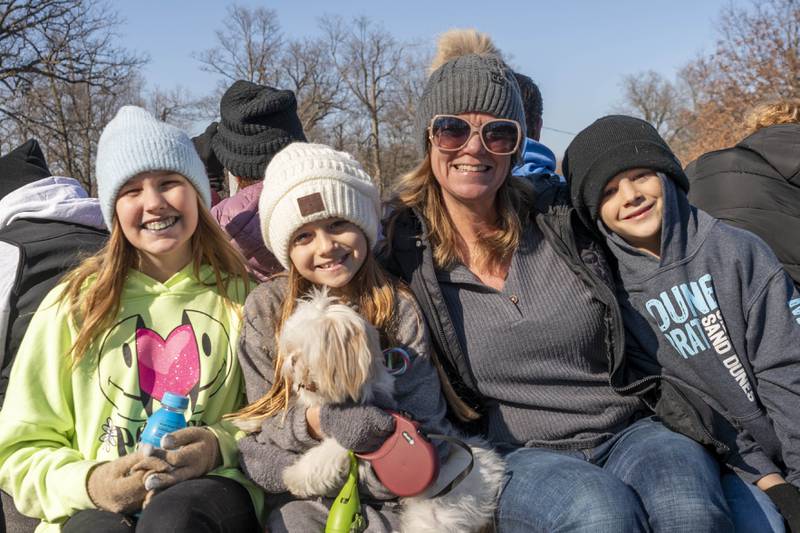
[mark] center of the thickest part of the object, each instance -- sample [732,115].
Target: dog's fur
[331,355]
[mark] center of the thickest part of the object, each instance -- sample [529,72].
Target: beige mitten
[118,486]
[191,452]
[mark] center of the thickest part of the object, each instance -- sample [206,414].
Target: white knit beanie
[306,182]
[134,142]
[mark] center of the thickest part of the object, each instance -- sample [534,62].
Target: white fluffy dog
[331,355]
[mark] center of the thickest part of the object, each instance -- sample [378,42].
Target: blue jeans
[645,478]
[751,508]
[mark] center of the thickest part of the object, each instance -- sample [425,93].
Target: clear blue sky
[577,51]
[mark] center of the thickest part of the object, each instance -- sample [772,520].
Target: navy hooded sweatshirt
[718,314]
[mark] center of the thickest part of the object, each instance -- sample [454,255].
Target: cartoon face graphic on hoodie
[183,361]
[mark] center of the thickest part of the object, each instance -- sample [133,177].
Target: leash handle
[467,469]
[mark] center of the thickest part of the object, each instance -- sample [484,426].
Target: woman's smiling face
[471,175]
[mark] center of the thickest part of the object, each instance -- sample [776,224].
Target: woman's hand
[361,428]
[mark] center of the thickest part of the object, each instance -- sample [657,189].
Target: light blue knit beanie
[134,142]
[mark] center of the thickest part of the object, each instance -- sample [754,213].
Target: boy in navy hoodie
[712,320]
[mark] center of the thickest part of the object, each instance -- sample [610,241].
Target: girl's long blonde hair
[374,295]
[419,190]
[94,303]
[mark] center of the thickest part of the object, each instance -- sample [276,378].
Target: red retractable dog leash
[407,463]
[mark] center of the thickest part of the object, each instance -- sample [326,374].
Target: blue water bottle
[166,420]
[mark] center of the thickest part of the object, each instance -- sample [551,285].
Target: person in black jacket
[46,224]
[755,185]
[525,324]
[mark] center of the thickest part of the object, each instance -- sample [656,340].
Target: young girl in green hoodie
[157,310]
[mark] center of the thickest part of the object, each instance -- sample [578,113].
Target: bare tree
[316,85]
[657,100]
[34,40]
[759,49]
[356,85]
[401,145]
[79,79]
[176,106]
[757,57]
[251,47]
[369,61]
[247,48]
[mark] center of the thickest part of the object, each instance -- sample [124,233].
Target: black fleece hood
[779,146]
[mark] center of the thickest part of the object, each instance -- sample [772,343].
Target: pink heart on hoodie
[171,365]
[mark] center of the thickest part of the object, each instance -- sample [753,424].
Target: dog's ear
[354,340]
[288,361]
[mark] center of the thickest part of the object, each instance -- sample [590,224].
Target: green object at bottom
[345,514]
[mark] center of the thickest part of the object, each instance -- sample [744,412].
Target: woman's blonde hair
[420,190]
[374,295]
[94,303]
[773,113]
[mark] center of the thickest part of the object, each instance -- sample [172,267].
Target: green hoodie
[58,422]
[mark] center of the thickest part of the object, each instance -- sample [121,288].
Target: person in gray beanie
[256,123]
[525,325]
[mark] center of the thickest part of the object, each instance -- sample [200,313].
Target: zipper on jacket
[476,407]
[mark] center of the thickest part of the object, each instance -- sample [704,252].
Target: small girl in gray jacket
[320,218]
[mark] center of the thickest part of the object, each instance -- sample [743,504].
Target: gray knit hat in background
[134,142]
[307,182]
[470,83]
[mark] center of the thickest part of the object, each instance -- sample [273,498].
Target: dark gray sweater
[265,455]
[537,351]
[718,312]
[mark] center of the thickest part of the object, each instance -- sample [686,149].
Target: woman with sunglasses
[527,330]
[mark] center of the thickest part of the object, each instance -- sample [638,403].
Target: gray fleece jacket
[717,313]
[265,455]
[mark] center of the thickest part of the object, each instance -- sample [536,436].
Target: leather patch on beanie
[310,204]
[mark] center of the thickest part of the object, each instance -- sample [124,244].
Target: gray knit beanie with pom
[470,83]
